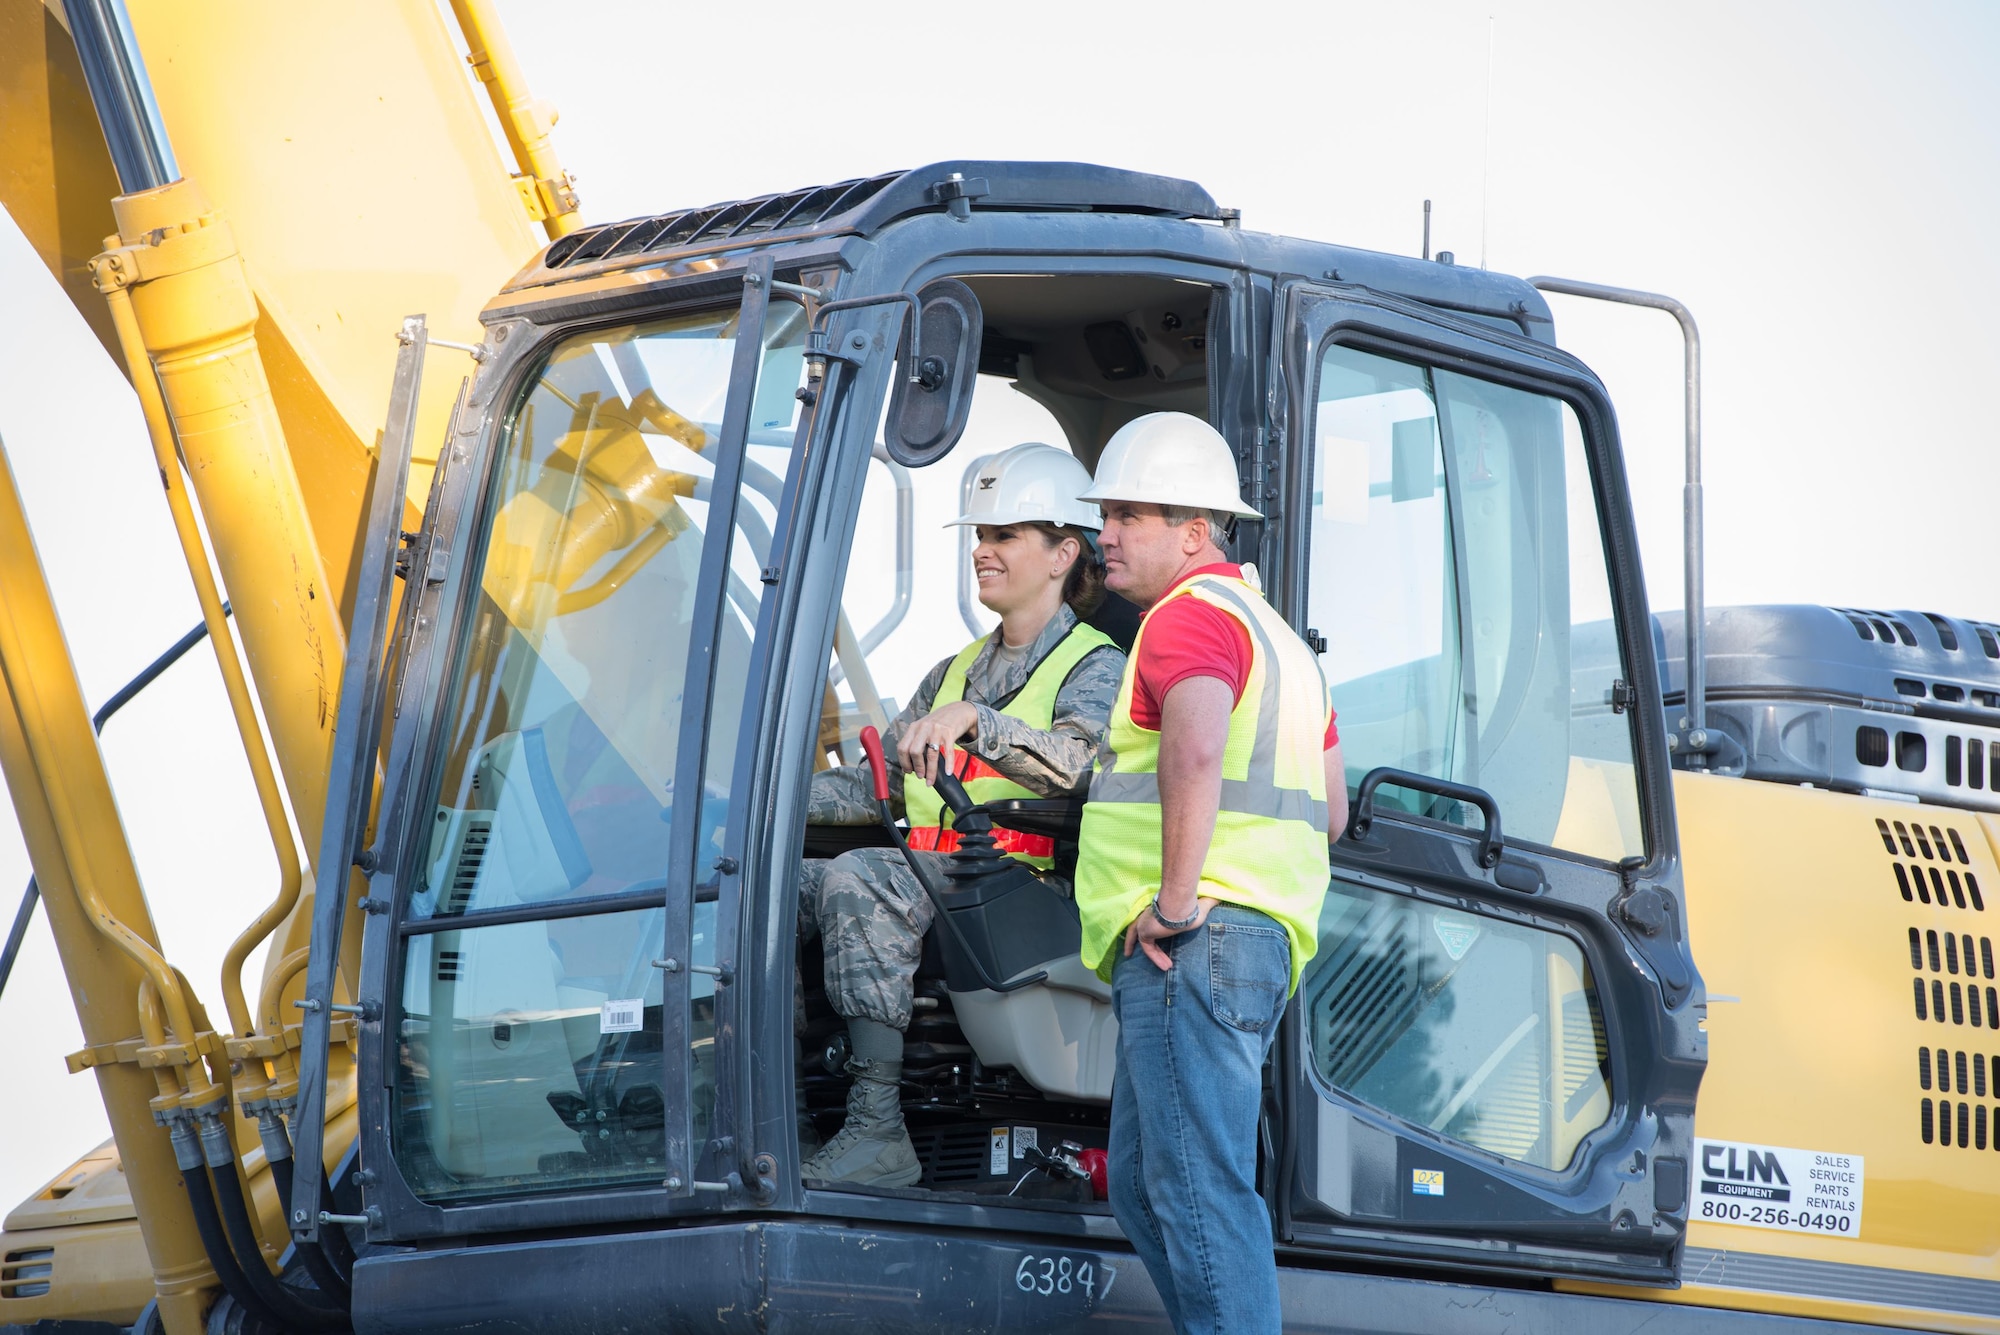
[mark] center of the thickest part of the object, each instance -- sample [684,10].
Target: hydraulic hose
[208,1223]
[295,1308]
[318,1263]
[332,1270]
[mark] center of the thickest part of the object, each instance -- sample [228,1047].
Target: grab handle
[1363,815]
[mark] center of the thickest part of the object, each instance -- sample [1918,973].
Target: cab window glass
[529,1047]
[1486,1031]
[557,775]
[529,1055]
[909,599]
[1458,571]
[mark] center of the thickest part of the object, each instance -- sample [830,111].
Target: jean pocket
[1249,975]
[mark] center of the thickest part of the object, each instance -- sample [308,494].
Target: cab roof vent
[867,204]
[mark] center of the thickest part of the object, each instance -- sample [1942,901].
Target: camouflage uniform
[866,902]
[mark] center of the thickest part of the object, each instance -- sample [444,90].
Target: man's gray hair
[1219,521]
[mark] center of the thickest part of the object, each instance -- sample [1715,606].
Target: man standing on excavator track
[1202,869]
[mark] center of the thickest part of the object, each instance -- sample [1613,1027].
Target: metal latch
[956,193]
[1623,696]
[1315,641]
[721,973]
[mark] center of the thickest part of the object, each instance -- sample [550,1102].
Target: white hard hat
[1031,484]
[1169,459]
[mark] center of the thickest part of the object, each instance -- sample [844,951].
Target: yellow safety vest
[1035,705]
[1269,852]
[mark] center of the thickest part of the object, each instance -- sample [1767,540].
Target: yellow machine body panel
[1847,944]
[73,1250]
[56,180]
[347,149]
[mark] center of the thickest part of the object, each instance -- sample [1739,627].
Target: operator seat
[1058,1032]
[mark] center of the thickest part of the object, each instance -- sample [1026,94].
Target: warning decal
[1456,935]
[1769,1186]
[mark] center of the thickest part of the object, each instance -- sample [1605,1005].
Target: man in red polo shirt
[1202,868]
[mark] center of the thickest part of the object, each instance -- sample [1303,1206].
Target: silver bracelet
[1173,925]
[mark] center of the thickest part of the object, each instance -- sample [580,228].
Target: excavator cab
[685,544]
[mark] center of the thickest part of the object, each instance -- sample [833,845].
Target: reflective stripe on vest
[1269,850]
[1035,705]
[1030,847]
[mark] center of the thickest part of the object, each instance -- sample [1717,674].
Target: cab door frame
[445,566]
[788,671]
[1619,1210]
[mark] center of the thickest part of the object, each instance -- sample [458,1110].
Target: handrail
[967,540]
[119,699]
[1694,729]
[71,838]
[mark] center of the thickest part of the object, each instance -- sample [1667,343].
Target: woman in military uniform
[1017,713]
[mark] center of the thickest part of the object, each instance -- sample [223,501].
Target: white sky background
[1816,181]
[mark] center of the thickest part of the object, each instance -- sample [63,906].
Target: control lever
[878,767]
[953,792]
[978,853]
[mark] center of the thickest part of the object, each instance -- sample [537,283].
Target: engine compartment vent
[1856,699]
[27,1273]
[866,204]
[1921,882]
[1962,1122]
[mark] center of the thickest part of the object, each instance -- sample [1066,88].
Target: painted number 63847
[1046,1276]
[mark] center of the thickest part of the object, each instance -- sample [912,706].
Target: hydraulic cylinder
[196,315]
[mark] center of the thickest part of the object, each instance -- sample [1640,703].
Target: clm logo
[1757,1174]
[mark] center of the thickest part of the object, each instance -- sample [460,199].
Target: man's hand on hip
[1147,931]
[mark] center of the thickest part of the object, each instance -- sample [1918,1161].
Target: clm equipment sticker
[1769,1186]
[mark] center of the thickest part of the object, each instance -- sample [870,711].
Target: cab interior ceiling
[1098,350]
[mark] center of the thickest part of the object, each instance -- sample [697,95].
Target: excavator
[1653,987]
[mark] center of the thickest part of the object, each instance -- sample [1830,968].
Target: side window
[1458,571]
[909,599]
[1486,1031]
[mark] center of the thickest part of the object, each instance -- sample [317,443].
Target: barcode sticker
[1025,1138]
[622,1017]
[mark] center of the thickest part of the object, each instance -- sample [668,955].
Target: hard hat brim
[995,521]
[1240,510]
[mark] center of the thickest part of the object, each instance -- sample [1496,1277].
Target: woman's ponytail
[1083,586]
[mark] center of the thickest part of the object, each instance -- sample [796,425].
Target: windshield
[531,1041]
[564,728]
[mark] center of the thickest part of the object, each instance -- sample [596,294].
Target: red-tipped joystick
[871,744]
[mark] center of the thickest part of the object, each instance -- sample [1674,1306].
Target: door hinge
[1623,696]
[1315,641]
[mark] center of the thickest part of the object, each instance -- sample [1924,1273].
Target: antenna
[1486,150]
[1427,229]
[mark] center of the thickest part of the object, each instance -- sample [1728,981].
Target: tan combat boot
[874,1148]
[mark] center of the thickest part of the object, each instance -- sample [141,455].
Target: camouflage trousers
[873,914]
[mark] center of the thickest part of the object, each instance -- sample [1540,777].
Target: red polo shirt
[1191,638]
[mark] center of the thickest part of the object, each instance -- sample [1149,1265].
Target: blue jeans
[1184,1110]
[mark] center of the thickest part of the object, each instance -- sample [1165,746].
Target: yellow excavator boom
[244,201]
